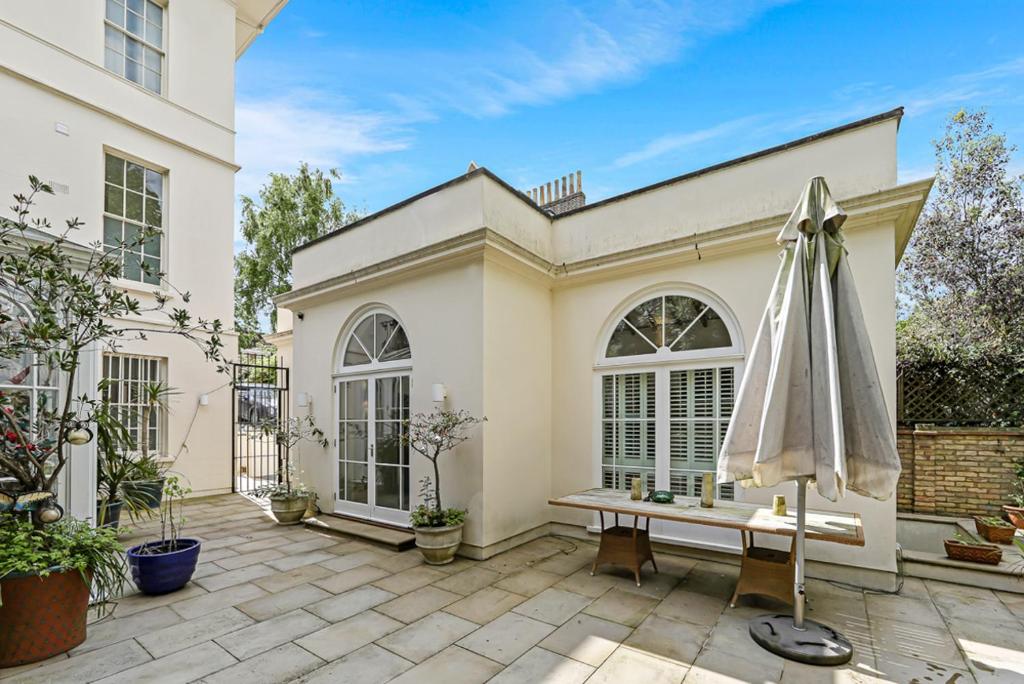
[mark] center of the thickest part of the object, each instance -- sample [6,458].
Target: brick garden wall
[957,471]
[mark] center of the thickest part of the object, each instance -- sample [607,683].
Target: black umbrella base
[816,644]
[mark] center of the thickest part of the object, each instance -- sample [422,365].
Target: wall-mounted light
[438,392]
[302,400]
[204,399]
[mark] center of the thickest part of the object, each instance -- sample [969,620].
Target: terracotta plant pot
[41,616]
[289,511]
[999,534]
[1016,516]
[438,544]
[988,554]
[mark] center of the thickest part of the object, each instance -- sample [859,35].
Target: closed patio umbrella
[810,405]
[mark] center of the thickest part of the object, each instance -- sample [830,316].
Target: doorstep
[397,538]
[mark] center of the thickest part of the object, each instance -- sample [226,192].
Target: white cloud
[680,141]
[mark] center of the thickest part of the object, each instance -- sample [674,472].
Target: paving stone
[553,606]
[994,652]
[206,556]
[920,641]
[564,564]
[416,604]
[629,665]
[397,562]
[184,666]
[538,665]
[308,543]
[113,630]
[84,668]
[587,639]
[678,641]
[205,570]
[343,637]
[260,544]
[299,559]
[272,605]
[187,634]
[293,578]
[245,559]
[351,560]
[690,607]
[453,665]
[221,542]
[424,638]
[622,606]
[350,579]
[985,606]
[580,582]
[711,579]
[467,581]
[506,638]
[654,584]
[485,605]
[263,636]
[217,600]
[408,580]
[346,605]
[904,609]
[732,635]
[137,602]
[529,582]
[230,578]
[370,664]
[900,668]
[712,666]
[282,664]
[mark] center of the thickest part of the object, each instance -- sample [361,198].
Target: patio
[279,604]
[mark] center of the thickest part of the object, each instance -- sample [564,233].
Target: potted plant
[114,469]
[61,304]
[289,498]
[147,482]
[965,547]
[1016,512]
[438,530]
[994,529]
[167,564]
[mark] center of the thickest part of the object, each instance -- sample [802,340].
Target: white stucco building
[599,341]
[127,108]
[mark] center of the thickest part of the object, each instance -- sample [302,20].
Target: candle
[635,494]
[779,505]
[707,491]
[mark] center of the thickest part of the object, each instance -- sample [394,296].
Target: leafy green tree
[291,211]
[962,279]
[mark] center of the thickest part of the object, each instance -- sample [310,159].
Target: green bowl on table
[661,496]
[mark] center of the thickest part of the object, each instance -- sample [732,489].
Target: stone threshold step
[396,538]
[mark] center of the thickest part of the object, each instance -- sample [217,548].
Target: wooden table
[762,570]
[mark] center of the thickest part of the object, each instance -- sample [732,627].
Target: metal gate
[259,399]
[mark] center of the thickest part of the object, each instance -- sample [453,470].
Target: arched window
[377,338]
[668,373]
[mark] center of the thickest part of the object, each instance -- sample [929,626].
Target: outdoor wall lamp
[204,399]
[438,393]
[302,400]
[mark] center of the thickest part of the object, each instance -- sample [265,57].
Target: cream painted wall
[442,313]
[51,66]
[517,399]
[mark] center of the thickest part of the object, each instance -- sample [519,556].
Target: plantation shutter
[628,429]
[700,404]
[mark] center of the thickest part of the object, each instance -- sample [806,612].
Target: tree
[62,305]
[962,280]
[291,211]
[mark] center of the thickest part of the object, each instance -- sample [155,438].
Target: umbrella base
[816,644]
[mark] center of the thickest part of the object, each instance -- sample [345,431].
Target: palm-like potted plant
[166,564]
[61,303]
[146,484]
[114,468]
[438,529]
[289,497]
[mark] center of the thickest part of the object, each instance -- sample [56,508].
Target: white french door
[372,464]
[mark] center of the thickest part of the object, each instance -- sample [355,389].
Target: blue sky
[400,96]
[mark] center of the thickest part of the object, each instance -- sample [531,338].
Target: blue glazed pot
[162,573]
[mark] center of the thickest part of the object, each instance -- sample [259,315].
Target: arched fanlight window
[377,338]
[672,323]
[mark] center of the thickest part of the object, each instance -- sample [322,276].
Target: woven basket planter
[997,534]
[973,553]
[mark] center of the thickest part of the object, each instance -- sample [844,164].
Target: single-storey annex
[601,341]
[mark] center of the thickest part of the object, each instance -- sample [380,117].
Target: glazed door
[373,463]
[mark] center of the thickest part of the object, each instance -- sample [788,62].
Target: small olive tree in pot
[438,529]
[289,497]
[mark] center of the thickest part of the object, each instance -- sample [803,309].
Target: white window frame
[661,363]
[130,401]
[374,365]
[164,243]
[161,49]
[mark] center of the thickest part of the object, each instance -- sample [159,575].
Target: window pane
[113,39]
[708,333]
[134,177]
[389,443]
[154,13]
[133,206]
[113,61]
[647,319]
[137,6]
[387,486]
[355,482]
[132,236]
[153,214]
[354,354]
[132,267]
[680,312]
[356,400]
[152,274]
[152,80]
[111,232]
[398,347]
[133,71]
[627,342]
[154,184]
[154,34]
[134,23]
[152,59]
[115,12]
[113,201]
[364,331]
[384,326]
[114,170]
[152,246]
[133,49]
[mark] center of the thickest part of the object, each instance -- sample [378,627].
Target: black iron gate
[259,399]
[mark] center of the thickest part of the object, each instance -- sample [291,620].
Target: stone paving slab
[279,604]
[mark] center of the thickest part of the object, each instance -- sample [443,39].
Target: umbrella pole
[799,596]
[793,636]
